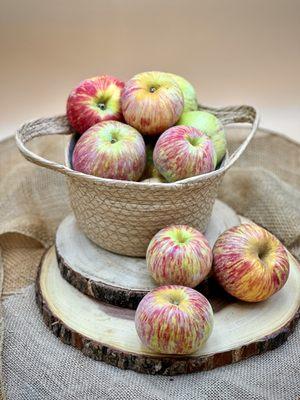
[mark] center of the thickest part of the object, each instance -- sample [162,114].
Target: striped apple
[211,126]
[151,102]
[182,152]
[250,263]
[174,320]
[111,150]
[179,255]
[95,100]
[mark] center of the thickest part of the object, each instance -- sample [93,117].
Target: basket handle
[43,127]
[236,114]
[59,126]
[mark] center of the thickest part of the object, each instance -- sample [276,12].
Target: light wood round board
[115,279]
[107,333]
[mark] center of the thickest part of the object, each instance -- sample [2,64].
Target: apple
[250,263]
[95,100]
[151,102]
[110,149]
[151,174]
[188,91]
[174,320]
[179,255]
[154,179]
[210,125]
[182,152]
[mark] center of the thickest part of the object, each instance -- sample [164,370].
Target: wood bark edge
[114,295]
[156,365]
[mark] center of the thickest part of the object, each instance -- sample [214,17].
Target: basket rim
[231,115]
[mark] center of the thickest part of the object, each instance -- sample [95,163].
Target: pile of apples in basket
[149,129]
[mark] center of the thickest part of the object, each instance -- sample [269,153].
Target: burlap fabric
[264,186]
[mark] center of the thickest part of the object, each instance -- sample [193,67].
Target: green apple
[151,173]
[188,91]
[210,125]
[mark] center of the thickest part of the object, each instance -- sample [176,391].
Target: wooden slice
[116,279]
[107,333]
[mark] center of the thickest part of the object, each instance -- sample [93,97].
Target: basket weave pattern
[123,216]
[124,220]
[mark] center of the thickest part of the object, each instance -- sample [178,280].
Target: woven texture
[125,221]
[264,185]
[123,216]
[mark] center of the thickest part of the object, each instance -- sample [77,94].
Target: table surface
[233,52]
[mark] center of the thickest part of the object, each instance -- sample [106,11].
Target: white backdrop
[233,51]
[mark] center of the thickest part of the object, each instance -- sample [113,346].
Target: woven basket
[123,216]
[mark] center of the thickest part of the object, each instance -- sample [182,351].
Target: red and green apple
[174,320]
[210,125]
[179,255]
[151,102]
[95,100]
[182,152]
[250,263]
[110,149]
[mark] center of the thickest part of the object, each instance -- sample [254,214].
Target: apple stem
[102,106]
